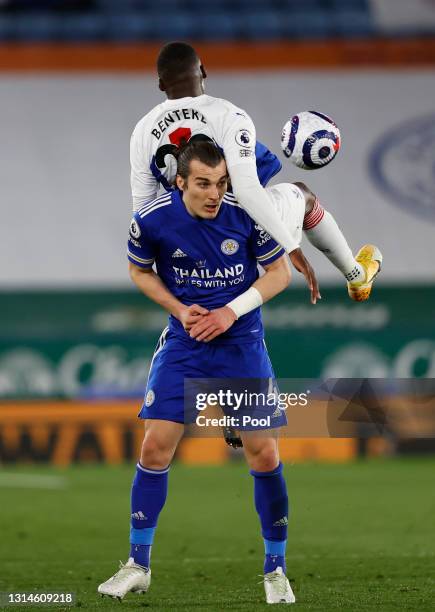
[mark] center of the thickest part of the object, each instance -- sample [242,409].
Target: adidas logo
[282,522]
[179,253]
[139,516]
[276,412]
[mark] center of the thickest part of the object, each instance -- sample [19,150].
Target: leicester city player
[205,249]
[190,114]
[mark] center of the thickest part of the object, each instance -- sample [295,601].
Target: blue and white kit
[207,262]
[250,165]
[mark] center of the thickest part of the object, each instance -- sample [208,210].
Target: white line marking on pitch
[32,481]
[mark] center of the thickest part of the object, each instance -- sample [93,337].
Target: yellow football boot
[370,259]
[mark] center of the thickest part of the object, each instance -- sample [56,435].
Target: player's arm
[144,185]
[239,140]
[151,285]
[276,278]
[240,155]
[141,252]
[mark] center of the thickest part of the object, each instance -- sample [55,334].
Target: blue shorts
[239,367]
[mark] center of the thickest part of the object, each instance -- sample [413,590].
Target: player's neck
[189,210]
[184,90]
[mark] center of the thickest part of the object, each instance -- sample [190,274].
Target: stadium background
[76,338]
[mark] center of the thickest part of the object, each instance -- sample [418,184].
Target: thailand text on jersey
[203,261]
[163,129]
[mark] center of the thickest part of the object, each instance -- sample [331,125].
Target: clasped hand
[205,325]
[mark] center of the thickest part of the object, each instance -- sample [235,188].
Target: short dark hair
[175,58]
[202,150]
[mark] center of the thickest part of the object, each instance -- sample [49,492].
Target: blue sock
[271,503]
[148,496]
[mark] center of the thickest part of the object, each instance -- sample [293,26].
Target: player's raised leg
[271,503]
[148,496]
[300,209]
[322,231]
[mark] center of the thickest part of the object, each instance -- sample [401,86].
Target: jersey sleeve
[265,249]
[141,250]
[238,139]
[144,185]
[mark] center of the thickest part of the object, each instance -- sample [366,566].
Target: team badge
[150,397]
[134,229]
[244,138]
[229,246]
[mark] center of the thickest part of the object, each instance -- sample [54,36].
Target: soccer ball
[310,140]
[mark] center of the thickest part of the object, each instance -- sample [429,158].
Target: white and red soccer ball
[310,140]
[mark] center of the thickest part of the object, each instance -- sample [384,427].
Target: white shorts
[289,202]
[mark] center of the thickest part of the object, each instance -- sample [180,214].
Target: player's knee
[155,455]
[265,458]
[310,197]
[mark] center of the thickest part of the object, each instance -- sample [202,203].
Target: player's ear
[179,181]
[161,85]
[203,72]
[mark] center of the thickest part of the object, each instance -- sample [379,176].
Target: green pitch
[361,537]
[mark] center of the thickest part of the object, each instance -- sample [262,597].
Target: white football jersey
[161,131]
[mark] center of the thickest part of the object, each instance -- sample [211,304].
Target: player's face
[204,189]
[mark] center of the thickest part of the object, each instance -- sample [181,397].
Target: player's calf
[323,232]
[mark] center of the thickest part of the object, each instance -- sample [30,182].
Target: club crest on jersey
[244,138]
[134,229]
[229,246]
[150,397]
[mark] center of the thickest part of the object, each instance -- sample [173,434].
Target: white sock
[323,232]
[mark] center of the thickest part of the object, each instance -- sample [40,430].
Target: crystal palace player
[190,114]
[205,249]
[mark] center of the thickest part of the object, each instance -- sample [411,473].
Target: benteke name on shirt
[176,115]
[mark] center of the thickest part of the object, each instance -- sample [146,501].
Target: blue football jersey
[203,261]
[267,163]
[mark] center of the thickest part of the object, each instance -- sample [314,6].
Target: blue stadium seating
[7,28]
[352,23]
[142,20]
[261,26]
[301,5]
[306,24]
[138,27]
[81,28]
[217,26]
[37,27]
[362,5]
